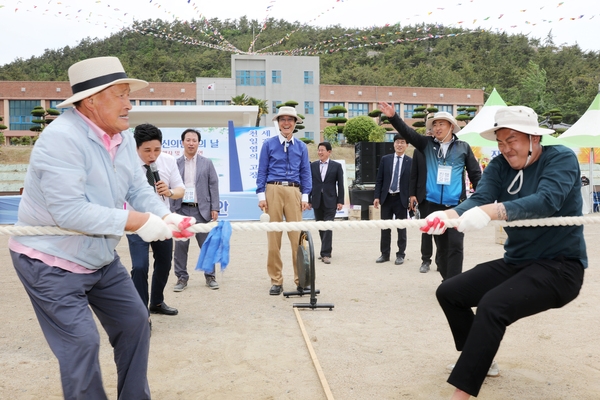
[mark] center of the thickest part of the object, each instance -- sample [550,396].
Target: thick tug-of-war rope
[314,225]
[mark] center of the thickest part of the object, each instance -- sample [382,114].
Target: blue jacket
[72,183]
[459,157]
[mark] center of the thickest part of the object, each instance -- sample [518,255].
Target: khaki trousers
[282,201]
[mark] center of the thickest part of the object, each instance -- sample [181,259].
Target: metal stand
[306,237]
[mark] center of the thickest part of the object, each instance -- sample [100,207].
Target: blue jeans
[140,264]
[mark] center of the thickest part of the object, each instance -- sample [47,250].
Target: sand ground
[386,338]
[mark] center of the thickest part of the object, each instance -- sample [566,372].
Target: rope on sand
[315,225]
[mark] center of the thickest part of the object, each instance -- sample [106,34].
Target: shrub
[358,129]
[330,134]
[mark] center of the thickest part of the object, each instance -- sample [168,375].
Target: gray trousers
[180,257]
[62,301]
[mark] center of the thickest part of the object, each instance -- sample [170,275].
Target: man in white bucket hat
[81,171]
[283,184]
[542,267]
[446,158]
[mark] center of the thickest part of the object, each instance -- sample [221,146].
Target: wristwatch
[171,191]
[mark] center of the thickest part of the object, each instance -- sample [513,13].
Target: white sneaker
[493,371]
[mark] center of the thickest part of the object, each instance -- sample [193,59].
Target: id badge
[444,174]
[188,196]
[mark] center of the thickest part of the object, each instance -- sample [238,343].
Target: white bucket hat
[289,111]
[446,116]
[519,118]
[93,75]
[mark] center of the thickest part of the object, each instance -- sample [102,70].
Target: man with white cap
[446,159]
[542,267]
[81,172]
[283,184]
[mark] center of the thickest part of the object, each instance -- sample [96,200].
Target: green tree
[2,128]
[362,129]
[465,114]
[241,100]
[551,117]
[245,100]
[330,134]
[533,87]
[337,120]
[263,108]
[42,118]
[382,119]
[422,114]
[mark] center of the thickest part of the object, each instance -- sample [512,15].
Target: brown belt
[284,183]
[190,204]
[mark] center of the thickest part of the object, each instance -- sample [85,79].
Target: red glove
[435,223]
[179,225]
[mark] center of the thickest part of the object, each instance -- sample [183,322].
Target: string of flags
[103,13]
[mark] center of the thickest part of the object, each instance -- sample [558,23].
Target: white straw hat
[446,116]
[93,75]
[289,111]
[519,118]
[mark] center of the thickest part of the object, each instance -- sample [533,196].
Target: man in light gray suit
[201,200]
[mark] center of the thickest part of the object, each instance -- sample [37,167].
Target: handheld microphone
[154,169]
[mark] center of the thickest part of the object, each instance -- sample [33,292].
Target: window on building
[356,109]
[185,102]
[471,113]
[327,106]
[445,107]
[275,104]
[54,103]
[275,76]
[152,103]
[133,102]
[397,108]
[250,78]
[20,114]
[309,107]
[308,78]
[309,135]
[409,109]
[217,102]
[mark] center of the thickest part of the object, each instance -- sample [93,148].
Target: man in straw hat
[446,159]
[542,267]
[81,172]
[283,184]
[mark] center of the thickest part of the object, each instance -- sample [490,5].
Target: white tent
[586,133]
[482,121]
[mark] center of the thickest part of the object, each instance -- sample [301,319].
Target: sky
[28,27]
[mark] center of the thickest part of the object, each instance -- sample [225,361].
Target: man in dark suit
[391,192]
[327,195]
[201,200]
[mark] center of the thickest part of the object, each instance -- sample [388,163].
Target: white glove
[154,229]
[473,219]
[179,225]
[435,223]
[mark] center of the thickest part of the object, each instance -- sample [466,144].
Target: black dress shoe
[276,290]
[162,308]
[382,259]
[399,260]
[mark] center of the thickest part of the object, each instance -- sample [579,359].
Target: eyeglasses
[287,119]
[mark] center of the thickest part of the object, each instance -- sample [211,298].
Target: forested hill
[530,71]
